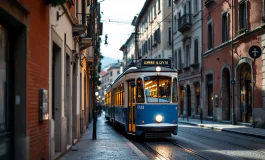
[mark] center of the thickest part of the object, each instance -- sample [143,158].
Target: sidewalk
[238,129]
[108,145]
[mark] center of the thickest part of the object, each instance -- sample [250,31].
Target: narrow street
[201,143]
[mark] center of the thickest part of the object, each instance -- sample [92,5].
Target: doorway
[131,107]
[181,100]
[245,94]
[210,94]
[188,100]
[226,95]
[5,97]
[56,95]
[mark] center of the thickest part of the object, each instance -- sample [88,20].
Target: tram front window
[157,89]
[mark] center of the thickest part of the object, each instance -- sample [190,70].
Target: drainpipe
[232,52]
[202,91]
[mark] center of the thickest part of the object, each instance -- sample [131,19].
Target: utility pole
[92,10]
[233,82]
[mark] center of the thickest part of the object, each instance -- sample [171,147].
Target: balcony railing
[184,23]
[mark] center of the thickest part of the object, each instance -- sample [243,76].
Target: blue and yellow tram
[145,101]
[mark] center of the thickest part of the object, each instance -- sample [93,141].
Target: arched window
[140,91]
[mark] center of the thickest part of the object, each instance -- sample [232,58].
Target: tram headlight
[159,118]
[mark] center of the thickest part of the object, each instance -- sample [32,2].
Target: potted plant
[55,3]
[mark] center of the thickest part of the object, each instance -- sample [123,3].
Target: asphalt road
[194,142]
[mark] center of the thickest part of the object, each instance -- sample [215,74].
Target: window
[169,36]
[158,35]
[157,89]
[175,23]
[76,9]
[175,91]
[180,59]
[210,35]
[225,27]
[169,3]
[155,10]
[196,6]
[243,15]
[196,51]
[140,91]
[149,45]
[118,72]
[110,73]
[187,8]
[176,59]
[159,5]
[187,55]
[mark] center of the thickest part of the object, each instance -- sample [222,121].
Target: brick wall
[37,76]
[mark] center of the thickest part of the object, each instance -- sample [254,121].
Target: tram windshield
[157,89]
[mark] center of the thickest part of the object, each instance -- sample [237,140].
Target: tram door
[131,106]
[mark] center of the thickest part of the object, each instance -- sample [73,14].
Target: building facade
[232,81]
[187,26]
[47,63]
[128,49]
[24,57]
[154,30]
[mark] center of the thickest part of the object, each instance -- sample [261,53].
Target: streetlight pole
[232,52]
[94,135]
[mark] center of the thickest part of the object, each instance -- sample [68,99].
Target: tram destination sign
[156,62]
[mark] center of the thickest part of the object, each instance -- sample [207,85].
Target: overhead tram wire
[165,19]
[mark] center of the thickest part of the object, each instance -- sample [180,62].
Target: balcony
[79,29]
[184,23]
[85,41]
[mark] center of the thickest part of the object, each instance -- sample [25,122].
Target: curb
[140,154]
[225,130]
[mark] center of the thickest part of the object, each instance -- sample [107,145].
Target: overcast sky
[122,13]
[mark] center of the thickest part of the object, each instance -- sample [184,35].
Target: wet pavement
[192,142]
[237,129]
[109,145]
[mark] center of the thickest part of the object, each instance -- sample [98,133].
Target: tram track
[174,143]
[188,150]
[151,150]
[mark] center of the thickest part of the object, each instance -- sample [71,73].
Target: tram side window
[119,95]
[157,89]
[140,91]
[175,91]
[122,94]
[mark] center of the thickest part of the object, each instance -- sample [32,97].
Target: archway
[188,100]
[245,93]
[226,109]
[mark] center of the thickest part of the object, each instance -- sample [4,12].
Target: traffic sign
[233,81]
[254,51]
